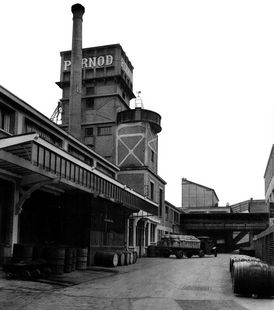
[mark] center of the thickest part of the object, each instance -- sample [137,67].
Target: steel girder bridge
[230,230]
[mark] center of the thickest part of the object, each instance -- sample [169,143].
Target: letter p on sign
[67,63]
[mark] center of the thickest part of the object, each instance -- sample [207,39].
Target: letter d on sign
[67,64]
[109,60]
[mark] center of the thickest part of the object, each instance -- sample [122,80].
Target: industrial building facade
[90,179]
[126,137]
[56,189]
[196,196]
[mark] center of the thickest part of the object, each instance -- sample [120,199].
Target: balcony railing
[140,115]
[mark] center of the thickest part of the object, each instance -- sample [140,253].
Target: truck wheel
[179,254]
[166,254]
[188,254]
[201,253]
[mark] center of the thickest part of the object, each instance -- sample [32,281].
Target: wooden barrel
[241,258]
[74,259]
[82,258]
[252,277]
[68,259]
[22,252]
[108,259]
[121,258]
[129,257]
[38,251]
[135,257]
[56,258]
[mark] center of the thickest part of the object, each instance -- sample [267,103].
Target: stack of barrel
[250,276]
[59,258]
[115,258]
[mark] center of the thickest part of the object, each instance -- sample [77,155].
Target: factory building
[264,242]
[89,176]
[196,197]
[269,185]
[104,121]
[55,189]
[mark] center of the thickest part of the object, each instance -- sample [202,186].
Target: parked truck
[186,245]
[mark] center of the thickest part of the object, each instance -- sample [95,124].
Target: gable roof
[185,181]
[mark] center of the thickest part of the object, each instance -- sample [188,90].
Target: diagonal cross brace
[131,151]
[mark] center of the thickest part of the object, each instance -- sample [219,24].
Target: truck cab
[208,245]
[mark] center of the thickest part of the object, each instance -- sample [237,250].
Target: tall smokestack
[75,94]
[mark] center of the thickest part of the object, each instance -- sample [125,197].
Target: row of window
[7,123]
[172,216]
[31,127]
[101,131]
[152,196]
[91,73]
[7,119]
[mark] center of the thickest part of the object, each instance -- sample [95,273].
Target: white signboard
[92,62]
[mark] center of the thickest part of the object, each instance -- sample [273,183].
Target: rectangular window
[90,90]
[151,190]
[89,132]
[167,213]
[160,202]
[152,156]
[104,131]
[176,218]
[7,119]
[89,103]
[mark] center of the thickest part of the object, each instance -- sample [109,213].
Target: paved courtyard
[151,283]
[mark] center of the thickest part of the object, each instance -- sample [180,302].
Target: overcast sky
[207,67]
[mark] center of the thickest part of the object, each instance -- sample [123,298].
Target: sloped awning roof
[32,159]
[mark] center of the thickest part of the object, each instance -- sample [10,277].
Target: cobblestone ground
[151,283]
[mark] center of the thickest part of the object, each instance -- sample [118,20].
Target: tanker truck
[186,245]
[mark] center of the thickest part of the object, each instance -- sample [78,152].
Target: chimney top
[77,8]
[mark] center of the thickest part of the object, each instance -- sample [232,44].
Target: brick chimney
[75,94]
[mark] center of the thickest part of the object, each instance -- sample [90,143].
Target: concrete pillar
[149,230]
[134,232]
[15,223]
[127,232]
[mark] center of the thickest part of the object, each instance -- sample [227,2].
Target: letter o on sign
[101,61]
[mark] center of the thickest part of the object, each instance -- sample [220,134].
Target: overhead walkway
[232,227]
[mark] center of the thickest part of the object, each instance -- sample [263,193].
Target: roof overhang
[33,159]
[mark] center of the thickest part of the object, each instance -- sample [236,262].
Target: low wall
[264,245]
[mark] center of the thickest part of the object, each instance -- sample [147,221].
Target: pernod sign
[92,62]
